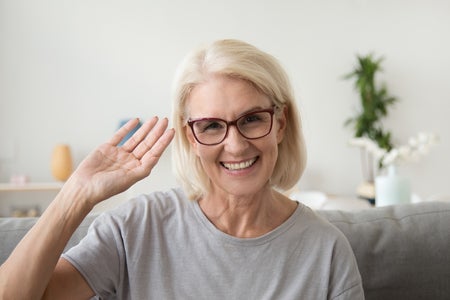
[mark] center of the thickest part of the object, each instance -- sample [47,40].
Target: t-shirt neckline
[265,238]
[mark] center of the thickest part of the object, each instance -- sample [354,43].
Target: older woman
[228,233]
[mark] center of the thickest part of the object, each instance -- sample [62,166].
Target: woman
[227,234]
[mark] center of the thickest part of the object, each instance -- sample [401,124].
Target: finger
[152,137]
[152,156]
[139,135]
[123,131]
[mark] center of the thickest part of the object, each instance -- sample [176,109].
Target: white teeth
[239,166]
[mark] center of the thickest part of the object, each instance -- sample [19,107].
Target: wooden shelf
[31,186]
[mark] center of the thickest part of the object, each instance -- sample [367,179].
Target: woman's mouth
[240,165]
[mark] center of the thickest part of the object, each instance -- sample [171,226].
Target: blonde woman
[227,233]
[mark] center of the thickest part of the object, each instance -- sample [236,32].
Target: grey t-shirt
[162,246]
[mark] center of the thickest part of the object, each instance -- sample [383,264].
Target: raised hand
[111,169]
[108,170]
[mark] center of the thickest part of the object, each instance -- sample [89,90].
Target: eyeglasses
[253,125]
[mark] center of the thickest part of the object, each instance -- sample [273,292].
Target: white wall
[69,70]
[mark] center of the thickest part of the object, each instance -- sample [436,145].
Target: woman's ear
[191,138]
[282,120]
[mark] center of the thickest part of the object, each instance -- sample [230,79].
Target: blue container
[130,134]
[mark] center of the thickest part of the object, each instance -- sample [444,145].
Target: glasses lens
[209,131]
[255,125]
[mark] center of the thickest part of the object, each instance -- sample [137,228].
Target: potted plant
[367,123]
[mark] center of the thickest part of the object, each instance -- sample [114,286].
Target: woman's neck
[247,216]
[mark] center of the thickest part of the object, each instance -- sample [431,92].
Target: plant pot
[366,189]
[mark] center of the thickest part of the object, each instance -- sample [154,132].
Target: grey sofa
[403,252]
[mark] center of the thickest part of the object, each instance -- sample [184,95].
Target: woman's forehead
[224,97]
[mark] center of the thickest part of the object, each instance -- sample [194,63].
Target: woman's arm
[107,171]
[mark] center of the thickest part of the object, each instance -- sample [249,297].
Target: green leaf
[374,101]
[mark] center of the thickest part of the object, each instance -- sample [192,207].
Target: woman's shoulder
[154,204]
[313,224]
[174,197]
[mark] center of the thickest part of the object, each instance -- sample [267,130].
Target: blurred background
[70,71]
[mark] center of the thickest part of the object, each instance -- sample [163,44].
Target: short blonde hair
[240,60]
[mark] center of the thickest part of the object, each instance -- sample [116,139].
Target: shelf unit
[31,186]
[19,209]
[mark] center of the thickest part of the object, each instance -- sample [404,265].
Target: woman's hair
[239,60]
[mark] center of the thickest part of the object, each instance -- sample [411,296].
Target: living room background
[71,70]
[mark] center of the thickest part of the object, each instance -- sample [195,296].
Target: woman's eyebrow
[249,110]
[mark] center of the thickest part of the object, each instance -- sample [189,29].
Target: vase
[392,189]
[61,162]
[366,190]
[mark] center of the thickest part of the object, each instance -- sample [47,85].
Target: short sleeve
[99,256]
[345,279]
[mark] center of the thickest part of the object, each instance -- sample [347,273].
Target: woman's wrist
[74,197]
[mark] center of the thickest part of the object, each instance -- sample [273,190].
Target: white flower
[416,147]
[390,157]
[360,142]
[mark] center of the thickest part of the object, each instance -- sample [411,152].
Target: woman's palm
[111,169]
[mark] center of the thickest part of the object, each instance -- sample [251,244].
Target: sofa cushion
[12,231]
[403,252]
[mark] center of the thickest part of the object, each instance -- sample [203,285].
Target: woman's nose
[234,141]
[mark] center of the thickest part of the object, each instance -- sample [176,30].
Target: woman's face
[236,166]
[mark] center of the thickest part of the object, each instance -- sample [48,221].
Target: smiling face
[237,166]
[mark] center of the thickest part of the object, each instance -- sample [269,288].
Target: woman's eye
[211,125]
[252,118]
